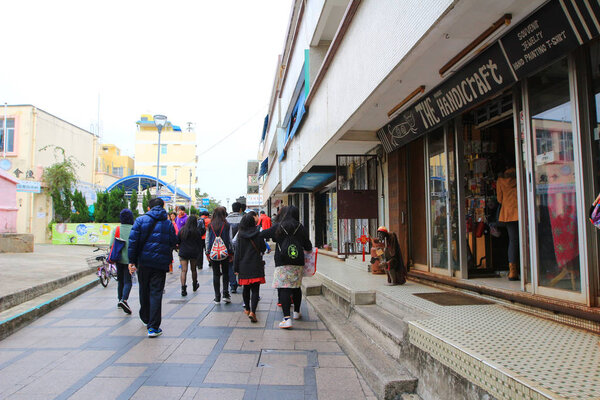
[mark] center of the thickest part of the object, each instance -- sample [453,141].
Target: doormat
[453,299]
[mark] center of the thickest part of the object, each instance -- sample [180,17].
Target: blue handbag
[115,251]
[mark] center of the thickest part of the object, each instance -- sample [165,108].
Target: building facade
[178,157]
[412,125]
[112,165]
[27,148]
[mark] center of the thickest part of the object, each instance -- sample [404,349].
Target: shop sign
[91,233]
[205,201]
[548,34]
[29,186]
[486,75]
[540,39]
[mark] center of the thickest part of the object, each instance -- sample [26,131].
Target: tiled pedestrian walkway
[88,349]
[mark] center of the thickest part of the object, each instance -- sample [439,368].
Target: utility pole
[175,194]
[190,192]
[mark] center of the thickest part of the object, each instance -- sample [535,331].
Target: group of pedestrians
[234,246]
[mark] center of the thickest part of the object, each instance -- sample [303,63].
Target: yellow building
[177,154]
[112,165]
[29,130]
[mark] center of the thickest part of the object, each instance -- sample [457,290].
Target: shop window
[163,149]
[163,170]
[438,199]
[554,178]
[118,171]
[9,138]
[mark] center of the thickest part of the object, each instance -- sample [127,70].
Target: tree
[101,207]
[59,179]
[133,204]
[116,203]
[146,200]
[212,203]
[81,214]
[194,210]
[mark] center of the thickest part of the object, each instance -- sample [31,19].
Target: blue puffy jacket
[157,249]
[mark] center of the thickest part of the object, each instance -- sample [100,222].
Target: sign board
[254,199]
[89,233]
[205,201]
[165,198]
[29,187]
[535,42]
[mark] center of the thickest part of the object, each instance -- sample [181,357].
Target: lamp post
[159,121]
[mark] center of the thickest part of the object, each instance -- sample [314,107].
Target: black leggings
[255,289]
[286,295]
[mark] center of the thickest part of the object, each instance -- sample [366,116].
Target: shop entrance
[490,188]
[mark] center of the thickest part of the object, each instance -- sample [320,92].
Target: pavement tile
[227,377]
[189,311]
[121,372]
[325,347]
[213,394]
[158,393]
[280,394]
[336,383]
[175,327]
[320,336]
[173,375]
[333,361]
[53,382]
[283,359]
[7,355]
[235,362]
[151,350]
[101,388]
[282,376]
[267,344]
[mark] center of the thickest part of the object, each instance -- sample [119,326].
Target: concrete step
[387,331]
[22,296]
[26,312]
[398,309]
[357,262]
[387,378]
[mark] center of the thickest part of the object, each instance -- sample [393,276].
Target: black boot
[184,290]
[195,285]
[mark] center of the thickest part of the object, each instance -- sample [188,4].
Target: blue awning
[297,114]
[134,182]
[264,167]
[264,132]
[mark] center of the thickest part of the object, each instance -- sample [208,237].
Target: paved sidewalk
[20,271]
[89,349]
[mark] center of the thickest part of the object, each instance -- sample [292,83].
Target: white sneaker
[227,300]
[286,323]
[297,315]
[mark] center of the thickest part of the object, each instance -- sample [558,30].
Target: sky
[210,62]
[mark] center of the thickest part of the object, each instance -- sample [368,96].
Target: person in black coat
[248,263]
[190,245]
[219,227]
[287,277]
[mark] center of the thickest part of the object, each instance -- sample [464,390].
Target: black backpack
[201,227]
[290,249]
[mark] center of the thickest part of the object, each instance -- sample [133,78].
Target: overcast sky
[207,62]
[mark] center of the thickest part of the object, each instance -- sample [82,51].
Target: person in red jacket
[264,221]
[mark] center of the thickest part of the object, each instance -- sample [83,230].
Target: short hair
[205,213]
[236,207]
[182,208]
[243,207]
[262,212]
[157,201]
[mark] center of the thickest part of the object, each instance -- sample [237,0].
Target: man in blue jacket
[151,245]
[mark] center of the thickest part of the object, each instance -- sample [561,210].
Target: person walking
[189,239]
[181,217]
[248,263]
[506,191]
[203,223]
[291,240]
[150,251]
[123,276]
[234,220]
[172,218]
[219,252]
[264,222]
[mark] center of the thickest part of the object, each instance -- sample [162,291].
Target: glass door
[554,213]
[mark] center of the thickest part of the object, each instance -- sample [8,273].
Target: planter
[88,233]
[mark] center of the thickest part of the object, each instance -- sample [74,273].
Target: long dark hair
[288,219]
[218,219]
[247,223]
[190,229]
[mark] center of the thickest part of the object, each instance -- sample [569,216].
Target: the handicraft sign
[548,34]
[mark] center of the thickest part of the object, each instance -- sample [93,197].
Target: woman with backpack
[218,252]
[248,264]
[189,239]
[123,276]
[291,241]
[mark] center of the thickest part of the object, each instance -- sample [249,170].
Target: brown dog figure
[392,258]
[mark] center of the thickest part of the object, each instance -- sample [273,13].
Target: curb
[14,323]
[31,293]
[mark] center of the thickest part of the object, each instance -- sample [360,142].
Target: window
[163,149]
[118,171]
[163,171]
[10,137]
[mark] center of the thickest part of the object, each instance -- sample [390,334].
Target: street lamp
[159,121]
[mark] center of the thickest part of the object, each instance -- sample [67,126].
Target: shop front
[491,173]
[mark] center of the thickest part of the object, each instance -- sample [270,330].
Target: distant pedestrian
[291,241]
[248,263]
[151,245]
[123,276]
[219,251]
[264,221]
[203,223]
[172,218]
[181,217]
[234,220]
[189,239]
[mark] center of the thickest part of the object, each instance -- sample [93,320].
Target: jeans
[123,281]
[220,268]
[251,304]
[513,241]
[232,278]
[285,296]
[152,284]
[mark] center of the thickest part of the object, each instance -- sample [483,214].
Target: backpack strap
[118,232]
[255,247]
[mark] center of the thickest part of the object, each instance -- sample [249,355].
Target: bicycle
[105,270]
